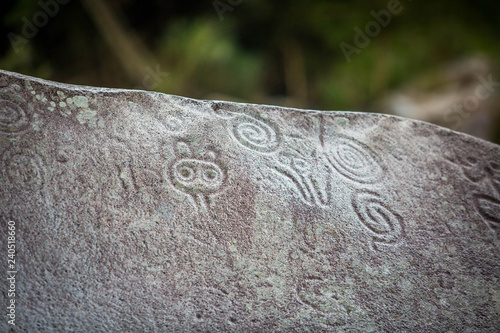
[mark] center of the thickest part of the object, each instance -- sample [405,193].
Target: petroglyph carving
[195,177]
[353,160]
[384,225]
[477,170]
[249,131]
[488,207]
[486,174]
[319,222]
[254,134]
[302,172]
[15,113]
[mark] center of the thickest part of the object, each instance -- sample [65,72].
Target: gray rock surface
[143,212]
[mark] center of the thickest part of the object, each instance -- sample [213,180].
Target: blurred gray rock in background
[464,96]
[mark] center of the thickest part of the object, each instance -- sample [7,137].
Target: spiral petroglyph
[173,124]
[14,113]
[254,134]
[354,160]
[384,225]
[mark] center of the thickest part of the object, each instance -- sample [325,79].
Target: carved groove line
[488,207]
[13,116]
[299,172]
[485,201]
[297,181]
[320,197]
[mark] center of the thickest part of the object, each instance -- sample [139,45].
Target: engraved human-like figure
[199,178]
[300,169]
[195,177]
[477,170]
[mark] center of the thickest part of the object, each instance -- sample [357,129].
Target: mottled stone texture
[144,212]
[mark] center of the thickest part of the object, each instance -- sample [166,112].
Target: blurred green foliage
[279,52]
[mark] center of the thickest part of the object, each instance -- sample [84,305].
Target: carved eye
[495,167]
[210,175]
[186,173]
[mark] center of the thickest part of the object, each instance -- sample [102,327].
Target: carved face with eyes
[196,176]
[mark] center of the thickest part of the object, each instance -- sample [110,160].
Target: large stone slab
[143,212]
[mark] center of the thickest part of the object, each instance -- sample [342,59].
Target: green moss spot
[85,115]
[342,121]
[81,101]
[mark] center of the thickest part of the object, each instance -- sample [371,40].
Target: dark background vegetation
[424,64]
